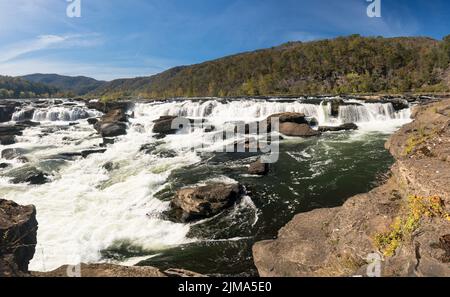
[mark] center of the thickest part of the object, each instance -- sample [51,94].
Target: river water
[88,213]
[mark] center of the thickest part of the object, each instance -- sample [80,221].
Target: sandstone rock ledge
[406,220]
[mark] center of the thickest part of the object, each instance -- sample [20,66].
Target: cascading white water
[370,112]
[220,112]
[86,209]
[54,114]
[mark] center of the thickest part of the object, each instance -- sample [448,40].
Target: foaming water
[86,209]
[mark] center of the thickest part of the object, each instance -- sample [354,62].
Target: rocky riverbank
[405,221]
[18,230]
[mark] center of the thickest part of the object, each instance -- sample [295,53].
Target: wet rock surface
[18,229]
[113,124]
[29,175]
[190,204]
[343,127]
[258,168]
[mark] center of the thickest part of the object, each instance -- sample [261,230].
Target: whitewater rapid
[86,209]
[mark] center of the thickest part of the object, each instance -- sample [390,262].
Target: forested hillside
[351,64]
[14,87]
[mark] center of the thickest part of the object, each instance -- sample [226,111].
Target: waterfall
[220,112]
[371,112]
[67,114]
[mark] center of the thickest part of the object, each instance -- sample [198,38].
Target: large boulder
[289,117]
[106,107]
[112,129]
[112,124]
[163,125]
[18,229]
[343,127]
[291,124]
[190,204]
[284,117]
[297,130]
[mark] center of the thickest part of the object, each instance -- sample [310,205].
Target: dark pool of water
[315,173]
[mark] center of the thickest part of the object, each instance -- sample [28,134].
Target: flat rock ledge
[111,270]
[412,207]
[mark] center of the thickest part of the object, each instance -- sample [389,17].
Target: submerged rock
[12,153]
[92,121]
[190,204]
[258,168]
[18,229]
[343,127]
[4,165]
[28,174]
[110,166]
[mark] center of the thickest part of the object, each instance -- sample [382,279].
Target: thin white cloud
[95,70]
[43,42]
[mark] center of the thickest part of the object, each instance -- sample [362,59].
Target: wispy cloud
[44,42]
[102,71]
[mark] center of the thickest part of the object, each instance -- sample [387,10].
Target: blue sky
[128,38]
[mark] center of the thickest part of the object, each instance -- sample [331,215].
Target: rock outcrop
[406,221]
[343,127]
[6,110]
[18,229]
[292,124]
[112,124]
[163,125]
[106,107]
[190,204]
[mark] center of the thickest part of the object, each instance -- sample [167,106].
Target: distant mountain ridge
[77,85]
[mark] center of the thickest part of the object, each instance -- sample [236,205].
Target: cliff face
[406,220]
[18,229]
